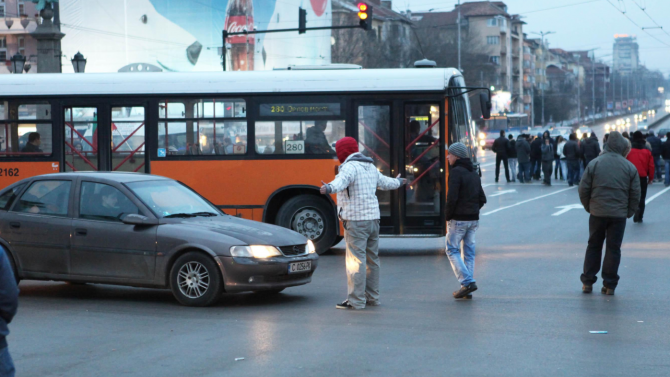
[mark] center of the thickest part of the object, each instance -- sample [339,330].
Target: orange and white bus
[256,144]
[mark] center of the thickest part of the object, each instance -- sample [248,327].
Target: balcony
[19,25]
[503,49]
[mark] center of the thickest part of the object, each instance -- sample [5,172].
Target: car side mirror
[485,103]
[135,219]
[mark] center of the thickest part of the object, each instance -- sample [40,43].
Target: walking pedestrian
[656,152]
[605,140]
[9,302]
[547,160]
[500,146]
[610,192]
[512,157]
[355,184]
[666,158]
[590,149]
[536,156]
[561,157]
[643,160]
[523,157]
[582,162]
[572,159]
[464,200]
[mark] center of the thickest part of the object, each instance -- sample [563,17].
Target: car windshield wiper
[179,215]
[204,214]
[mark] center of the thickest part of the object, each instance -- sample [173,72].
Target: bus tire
[312,217]
[338,239]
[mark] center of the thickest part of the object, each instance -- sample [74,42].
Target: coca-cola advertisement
[185,36]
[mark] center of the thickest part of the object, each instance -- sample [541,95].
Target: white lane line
[657,195]
[489,164]
[502,193]
[488,184]
[527,201]
[567,208]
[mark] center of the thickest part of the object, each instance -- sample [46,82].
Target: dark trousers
[535,168]
[643,198]
[546,169]
[658,167]
[557,168]
[524,172]
[573,172]
[609,230]
[504,160]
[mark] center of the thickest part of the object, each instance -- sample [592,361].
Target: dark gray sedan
[145,231]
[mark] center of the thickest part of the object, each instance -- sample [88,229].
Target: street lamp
[18,61]
[79,62]
[542,34]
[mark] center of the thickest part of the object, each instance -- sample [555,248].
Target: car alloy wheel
[193,280]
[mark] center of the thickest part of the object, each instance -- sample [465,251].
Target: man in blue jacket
[9,301]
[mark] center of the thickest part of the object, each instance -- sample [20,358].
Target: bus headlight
[482,143]
[482,136]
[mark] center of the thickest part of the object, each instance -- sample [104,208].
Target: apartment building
[626,53]
[20,19]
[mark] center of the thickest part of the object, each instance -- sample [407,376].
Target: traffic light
[365,15]
[302,21]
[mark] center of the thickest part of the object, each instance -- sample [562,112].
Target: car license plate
[297,267]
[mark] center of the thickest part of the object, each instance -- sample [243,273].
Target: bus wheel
[312,217]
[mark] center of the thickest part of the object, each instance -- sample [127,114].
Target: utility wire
[648,15]
[635,23]
[561,6]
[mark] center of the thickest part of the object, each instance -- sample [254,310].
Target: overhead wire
[644,10]
[636,24]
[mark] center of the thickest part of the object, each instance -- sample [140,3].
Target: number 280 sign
[294,147]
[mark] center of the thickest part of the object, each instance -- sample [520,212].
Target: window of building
[104,202]
[493,40]
[2,9]
[21,7]
[491,22]
[25,129]
[22,45]
[45,198]
[202,127]
[494,59]
[3,46]
[312,137]
[538,71]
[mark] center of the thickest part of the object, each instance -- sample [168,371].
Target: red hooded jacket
[643,161]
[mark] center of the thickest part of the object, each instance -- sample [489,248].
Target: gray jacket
[522,150]
[547,152]
[610,186]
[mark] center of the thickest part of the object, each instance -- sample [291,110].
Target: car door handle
[15,225]
[81,231]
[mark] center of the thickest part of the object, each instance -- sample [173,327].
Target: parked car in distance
[560,131]
[146,231]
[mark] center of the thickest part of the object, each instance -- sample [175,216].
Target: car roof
[123,177]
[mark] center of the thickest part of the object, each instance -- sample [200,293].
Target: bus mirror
[485,103]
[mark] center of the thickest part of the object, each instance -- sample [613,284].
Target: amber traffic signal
[365,16]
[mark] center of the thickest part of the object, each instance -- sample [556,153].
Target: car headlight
[255,251]
[482,143]
[310,247]
[482,135]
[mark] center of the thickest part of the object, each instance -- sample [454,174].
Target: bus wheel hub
[308,222]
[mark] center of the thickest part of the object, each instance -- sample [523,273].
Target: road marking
[567,208]
[502,193]
[657,195]
[488,184]
[527,201]
[489,164]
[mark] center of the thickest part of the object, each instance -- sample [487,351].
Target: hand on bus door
[324,189]
[402,180]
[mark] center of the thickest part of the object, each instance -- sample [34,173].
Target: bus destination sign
[300,109]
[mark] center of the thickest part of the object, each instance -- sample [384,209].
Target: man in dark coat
[464,200]
[9,301]
[666,158]
[656,152]
[523,156]
[536,156]
[500,146]
[590,149]
[572,157]
[511,157]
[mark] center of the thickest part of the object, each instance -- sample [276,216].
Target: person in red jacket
[641,157]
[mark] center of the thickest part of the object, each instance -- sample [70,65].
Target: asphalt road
[529,317]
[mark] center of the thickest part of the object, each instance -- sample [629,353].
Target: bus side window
[25,129]
[311,137]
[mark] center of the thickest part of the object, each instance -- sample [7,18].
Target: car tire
[319,210]
[195,280]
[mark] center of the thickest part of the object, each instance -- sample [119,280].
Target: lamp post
[79,62]
[18,62]
[542,34]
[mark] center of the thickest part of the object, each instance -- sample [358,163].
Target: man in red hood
[356,185]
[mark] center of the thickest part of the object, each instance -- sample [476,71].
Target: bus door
[127,133]
[424,169]
[375,141]
[81,144]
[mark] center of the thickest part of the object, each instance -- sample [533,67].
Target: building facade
[626,54]
[20,19]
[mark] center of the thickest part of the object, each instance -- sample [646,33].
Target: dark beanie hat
[637,135]
[345,147]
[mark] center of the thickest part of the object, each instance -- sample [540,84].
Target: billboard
[501,102]
[186,35]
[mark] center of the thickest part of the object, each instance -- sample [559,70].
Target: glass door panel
[374,141]
[423,166]
[128,142]
[81,139]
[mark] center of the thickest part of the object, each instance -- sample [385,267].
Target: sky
[585,24]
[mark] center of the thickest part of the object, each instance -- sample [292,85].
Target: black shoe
[496,180]
[607,291]
[345,305]
[464,291]
[508,181]
[571,184]
[587,288]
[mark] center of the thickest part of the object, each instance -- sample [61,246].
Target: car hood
[247,231]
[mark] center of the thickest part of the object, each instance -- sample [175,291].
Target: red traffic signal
[365,15]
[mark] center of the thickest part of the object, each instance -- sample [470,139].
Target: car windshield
[172,199]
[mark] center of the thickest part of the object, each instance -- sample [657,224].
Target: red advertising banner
[237,24]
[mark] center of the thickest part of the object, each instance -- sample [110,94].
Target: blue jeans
[462,263]
[512,168]
[667,173]
[658,167]
[564,169]
[6,363]
[573,172]
[524,172]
